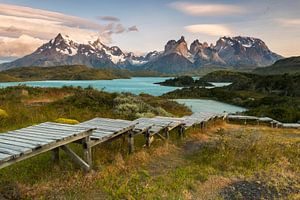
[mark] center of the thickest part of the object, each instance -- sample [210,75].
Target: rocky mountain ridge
[176,56]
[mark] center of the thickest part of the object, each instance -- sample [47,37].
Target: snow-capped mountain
[228,51]
[64,51]
[245,51]
[176,56]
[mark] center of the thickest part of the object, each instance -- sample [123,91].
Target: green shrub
[3,113]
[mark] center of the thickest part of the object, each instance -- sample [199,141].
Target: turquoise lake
[206,105]
[136,85]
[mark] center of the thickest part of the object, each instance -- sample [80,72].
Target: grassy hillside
[287,65]
[224,162]
[74,72]
[227,76]
[26,105]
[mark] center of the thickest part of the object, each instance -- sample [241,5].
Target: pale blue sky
[276,22]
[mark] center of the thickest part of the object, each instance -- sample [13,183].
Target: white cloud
[209,29]
[293,22]
[199,9]
[17,21]
[16,47]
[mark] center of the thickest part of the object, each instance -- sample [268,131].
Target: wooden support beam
[55,156]
[167,133]
[87,150]
[181,131]
[76,158]
[148,138]
[159,135]
[130,142]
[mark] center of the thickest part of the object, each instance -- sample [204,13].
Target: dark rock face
[228,51]
[170,63]
[176,57]
[245,51]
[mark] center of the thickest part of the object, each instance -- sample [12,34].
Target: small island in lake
[185,81]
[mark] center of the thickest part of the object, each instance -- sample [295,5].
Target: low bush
[67,121]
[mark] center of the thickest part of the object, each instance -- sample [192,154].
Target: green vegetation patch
[185,81]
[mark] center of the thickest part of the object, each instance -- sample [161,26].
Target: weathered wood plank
[5,157]
[24,137]
[14,139]
[38,135]
[19,144]
[47,131]
[58,129]
[23,150]
[9,151]
[42,135]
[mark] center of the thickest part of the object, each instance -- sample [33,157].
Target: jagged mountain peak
[97,44]
[182,39]
[228,51]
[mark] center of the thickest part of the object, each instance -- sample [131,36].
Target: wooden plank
[35,143]
[25,137]
[34,135]
[97,120]
[38,135]
[58,129]
[19,144]
[61,127]
[110,127]
[100,124]
[64,125]
[67,127]
[5,157]
[9,151]
[47,131]
[112,123]
[23,150]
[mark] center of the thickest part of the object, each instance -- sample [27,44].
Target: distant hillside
[185,81]
[288,85]
[74,72]
[226,76]
[287,65]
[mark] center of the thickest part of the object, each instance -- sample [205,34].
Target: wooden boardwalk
[107,129]
[261,120]
[28,142]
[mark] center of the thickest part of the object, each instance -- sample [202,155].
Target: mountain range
[176,56]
